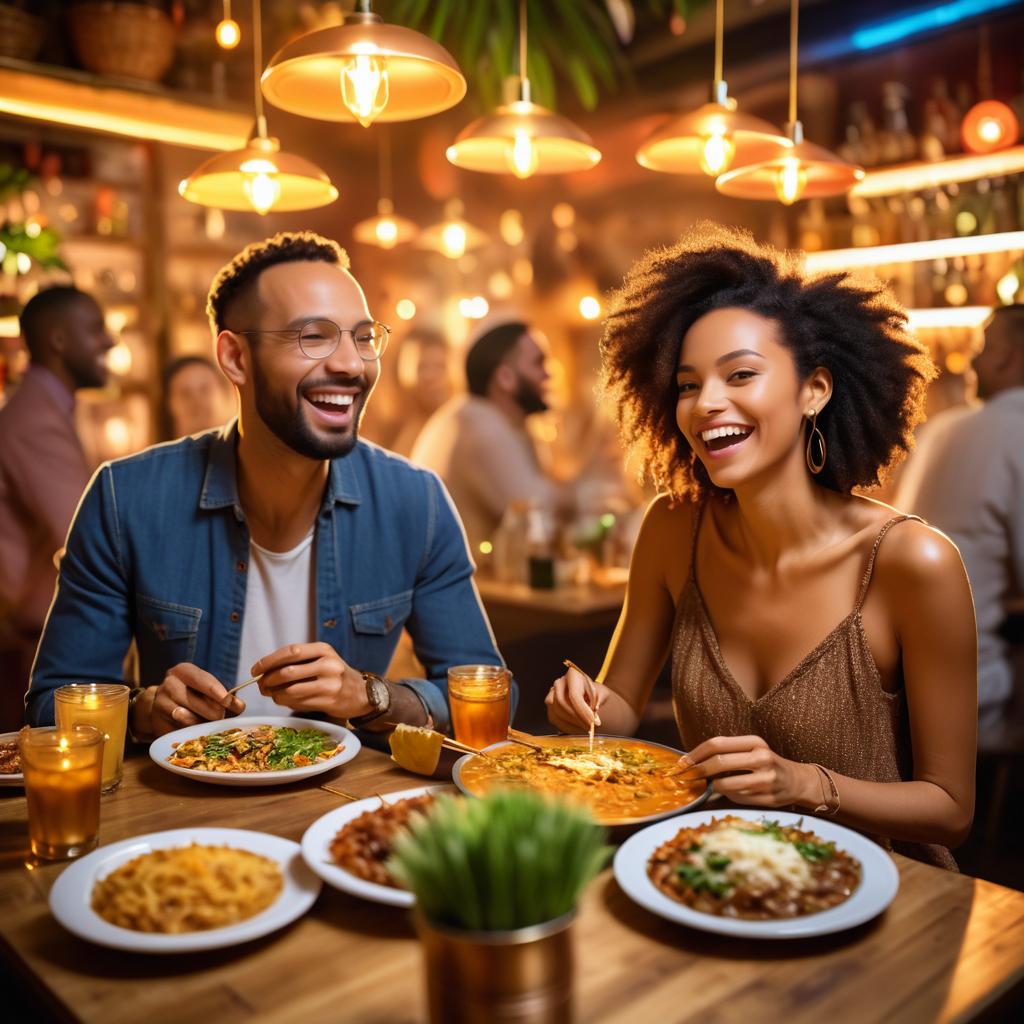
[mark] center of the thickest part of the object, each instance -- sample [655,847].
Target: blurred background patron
[197,396]
[970,484]
[479,444]
[43,470]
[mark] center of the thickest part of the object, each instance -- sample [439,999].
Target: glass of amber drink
[480,700]
[62,770]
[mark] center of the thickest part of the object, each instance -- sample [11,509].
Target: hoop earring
[815,465]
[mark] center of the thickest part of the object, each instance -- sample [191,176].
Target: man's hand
[313,677]
[187,696]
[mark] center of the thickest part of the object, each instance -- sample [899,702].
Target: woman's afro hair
[855,328]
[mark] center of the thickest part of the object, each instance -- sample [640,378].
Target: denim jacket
[159,550]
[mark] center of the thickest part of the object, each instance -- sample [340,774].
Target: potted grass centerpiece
[496,882]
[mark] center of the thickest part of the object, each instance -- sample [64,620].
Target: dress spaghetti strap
[886,527]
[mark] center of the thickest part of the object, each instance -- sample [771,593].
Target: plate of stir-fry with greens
[255,751]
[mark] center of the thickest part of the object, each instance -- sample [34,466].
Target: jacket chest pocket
[166,633]
[381,618]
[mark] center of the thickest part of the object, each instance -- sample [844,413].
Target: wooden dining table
[949,948]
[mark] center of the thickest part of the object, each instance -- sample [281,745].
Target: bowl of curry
[622,780]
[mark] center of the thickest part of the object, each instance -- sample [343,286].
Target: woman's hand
[312,677]
[748,771]
[574,702]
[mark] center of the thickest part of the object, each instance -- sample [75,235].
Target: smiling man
[281,547]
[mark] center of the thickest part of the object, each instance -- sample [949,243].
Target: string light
[228,34]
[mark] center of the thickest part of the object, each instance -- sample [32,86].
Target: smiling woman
[767,396]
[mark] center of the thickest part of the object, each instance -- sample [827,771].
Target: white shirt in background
[280,608]
[970,484]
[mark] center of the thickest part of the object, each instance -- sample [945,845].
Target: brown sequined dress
[830,709]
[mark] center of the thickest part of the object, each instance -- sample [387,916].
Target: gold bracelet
[824,807]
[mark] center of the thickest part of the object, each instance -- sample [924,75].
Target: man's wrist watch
[378,694]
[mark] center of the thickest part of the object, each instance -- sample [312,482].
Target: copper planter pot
[515,977]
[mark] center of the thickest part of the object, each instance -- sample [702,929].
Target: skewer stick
[248,682]
[593,711]
[462,748]
[515,736]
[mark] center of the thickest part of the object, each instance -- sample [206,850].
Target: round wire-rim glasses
[320,338]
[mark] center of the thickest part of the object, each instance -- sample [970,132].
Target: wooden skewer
[462,748]
[248,682]
[349,796]
[518,737]
[593,711]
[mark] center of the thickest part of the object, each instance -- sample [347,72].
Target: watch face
[377,693]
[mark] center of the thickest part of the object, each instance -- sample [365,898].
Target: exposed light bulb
[261,184]
[386,231]
[524,157]
[453,240]
[228,34]
[790,181]
[717,153]
[990,130]
[405,308]
[590,307]
[1007,287]
[364,86]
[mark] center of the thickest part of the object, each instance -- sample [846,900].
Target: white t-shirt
[280,605]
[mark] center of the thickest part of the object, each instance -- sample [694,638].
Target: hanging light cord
[522,40]
[227,10]
[719,31]
[794,13]
[257,60]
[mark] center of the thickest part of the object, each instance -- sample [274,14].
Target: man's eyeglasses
[319,339]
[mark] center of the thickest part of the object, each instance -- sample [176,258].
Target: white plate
[162,748]
[641,819]
[71,894]
[11,778]
[877,889]
[317,854]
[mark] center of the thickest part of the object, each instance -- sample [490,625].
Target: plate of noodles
[255,751]
[349,846]
[185,890]
[10,760]
[762,874]
[623,780]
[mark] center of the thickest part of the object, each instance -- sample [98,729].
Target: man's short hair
[238,276]
[1013,316]
[46,304]
[488,351]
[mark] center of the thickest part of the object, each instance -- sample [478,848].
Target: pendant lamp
[803,171]
[714,137]
[385,230]
[365,71]
[523,138]
[453,237]
[260,176]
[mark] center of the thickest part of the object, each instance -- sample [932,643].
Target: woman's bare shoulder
[916,555]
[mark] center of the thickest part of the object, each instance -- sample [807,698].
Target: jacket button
[389,622]
[235,616]
[330,623]
[241,566]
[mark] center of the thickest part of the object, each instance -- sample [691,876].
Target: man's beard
[290,426]
[528,397]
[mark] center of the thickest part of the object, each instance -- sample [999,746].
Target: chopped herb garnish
[292,743]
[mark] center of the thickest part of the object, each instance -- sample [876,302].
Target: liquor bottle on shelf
[896,144]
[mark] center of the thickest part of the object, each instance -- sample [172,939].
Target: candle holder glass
[62,771]
[105,707]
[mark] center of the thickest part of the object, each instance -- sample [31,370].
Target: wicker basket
[124,40]
[21,33]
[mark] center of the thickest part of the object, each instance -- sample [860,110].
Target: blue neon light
[885,32]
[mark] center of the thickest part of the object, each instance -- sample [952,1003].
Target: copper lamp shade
[678,147]
[554,144]
[802,171]
[305,76]
[232,181]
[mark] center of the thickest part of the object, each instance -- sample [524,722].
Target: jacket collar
[220,485]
